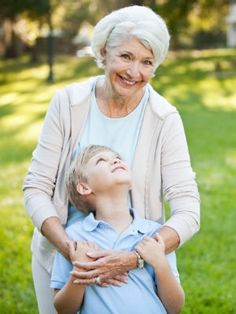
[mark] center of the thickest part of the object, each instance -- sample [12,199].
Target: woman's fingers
[105,282]
[109,266]
[88,265]
[85,274]
[85,281]
[96,254]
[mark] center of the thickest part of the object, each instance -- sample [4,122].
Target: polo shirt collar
[139,224]
[90,223]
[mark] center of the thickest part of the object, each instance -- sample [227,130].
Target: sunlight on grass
[223,98]
[231,159]
[8,98]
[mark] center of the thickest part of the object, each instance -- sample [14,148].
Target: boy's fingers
[158,237]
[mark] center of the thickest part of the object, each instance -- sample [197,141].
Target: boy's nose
[116,161]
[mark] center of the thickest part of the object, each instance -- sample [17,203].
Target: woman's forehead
[133,45]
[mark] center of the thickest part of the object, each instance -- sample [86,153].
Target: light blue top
[120,134]
[139,295]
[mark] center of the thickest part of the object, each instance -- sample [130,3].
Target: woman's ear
[103,52]
[83,189]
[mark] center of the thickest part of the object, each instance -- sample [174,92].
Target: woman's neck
[113,105]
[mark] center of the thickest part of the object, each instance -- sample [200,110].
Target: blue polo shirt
[138,296]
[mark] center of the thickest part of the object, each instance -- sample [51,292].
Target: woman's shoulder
[76,92]
[160,105]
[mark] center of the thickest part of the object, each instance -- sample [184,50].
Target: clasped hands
[93,265]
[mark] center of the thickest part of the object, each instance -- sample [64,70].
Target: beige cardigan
[161,167]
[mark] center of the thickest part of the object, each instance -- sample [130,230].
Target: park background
[45,45]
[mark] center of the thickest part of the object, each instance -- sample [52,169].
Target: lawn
[202,86]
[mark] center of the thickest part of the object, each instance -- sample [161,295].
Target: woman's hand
[78,250]
[110,266]
[151,249]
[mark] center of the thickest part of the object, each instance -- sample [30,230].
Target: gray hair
[137,21]
[77,174]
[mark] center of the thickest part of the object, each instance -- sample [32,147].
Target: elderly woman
[120,110]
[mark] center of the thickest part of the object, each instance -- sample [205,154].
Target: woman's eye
[147,62]
[125,56]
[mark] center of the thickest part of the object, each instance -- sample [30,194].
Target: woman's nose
[133,69]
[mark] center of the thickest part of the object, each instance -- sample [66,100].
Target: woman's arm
[55,233]
[170,238]
[111,264]
[40,183]
[168,288]
[178,183]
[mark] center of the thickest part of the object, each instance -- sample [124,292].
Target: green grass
[206,98]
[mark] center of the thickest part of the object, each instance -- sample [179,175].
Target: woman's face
[128,68]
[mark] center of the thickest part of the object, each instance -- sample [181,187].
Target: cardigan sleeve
[178,180]
[39,183]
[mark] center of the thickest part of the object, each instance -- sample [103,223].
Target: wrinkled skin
[111,266]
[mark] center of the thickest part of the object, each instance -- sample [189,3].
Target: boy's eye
[100,160]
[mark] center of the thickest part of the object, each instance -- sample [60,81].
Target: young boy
[99,182]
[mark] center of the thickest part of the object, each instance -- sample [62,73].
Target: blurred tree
[195,23]
[176,16]
[207,26]
[191,22]
[9,16]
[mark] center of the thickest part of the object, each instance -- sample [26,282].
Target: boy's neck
[114,211]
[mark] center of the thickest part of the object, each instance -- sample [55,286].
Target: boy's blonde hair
[77,175]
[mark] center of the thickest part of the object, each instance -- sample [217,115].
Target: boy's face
[106,170]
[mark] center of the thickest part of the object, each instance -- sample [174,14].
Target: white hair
[137,21]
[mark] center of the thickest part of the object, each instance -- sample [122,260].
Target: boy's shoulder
[82,227]
[74,229]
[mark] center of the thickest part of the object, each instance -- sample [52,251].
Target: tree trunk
[50,48]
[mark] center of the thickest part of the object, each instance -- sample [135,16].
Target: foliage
[188,20]
[11,8]
[202,86]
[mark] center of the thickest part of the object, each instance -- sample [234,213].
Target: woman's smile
[129,67]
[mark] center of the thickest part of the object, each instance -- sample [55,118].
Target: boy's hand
[151,249]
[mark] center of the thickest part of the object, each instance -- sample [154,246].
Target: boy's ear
[83,189]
